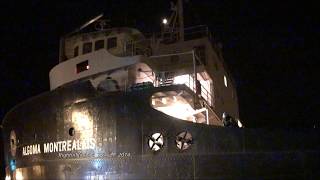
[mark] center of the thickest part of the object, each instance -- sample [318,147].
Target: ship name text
[59,146]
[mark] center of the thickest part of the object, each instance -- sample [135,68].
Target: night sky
[270,47]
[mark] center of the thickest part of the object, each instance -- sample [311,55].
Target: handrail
[207,96]
[209,107]
[190,33]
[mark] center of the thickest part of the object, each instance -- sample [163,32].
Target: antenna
[181,19]
[101,24]
[62,43]
[85,24]
[175,25]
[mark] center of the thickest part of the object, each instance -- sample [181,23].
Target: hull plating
[119,127]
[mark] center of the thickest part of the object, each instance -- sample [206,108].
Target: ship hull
[113,143]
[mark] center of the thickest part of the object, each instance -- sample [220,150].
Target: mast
[181,23]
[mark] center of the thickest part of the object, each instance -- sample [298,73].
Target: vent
[155,142]
[184,140]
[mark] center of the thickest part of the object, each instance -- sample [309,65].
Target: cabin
[123,59]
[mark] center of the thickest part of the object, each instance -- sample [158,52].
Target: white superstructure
[116,59]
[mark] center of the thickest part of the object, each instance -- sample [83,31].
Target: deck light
[19,175]
[239,123]
[225,81]
[164,21]
[82,123]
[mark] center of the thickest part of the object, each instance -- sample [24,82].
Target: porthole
[155,142]
[184,140]
[72,131]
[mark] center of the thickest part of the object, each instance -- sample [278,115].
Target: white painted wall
[99,61]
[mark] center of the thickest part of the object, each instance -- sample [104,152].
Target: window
[99,45]
[112,42]
[87,48]
[83,66]
[76,51]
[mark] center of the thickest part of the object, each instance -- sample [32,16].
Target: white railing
[205,94]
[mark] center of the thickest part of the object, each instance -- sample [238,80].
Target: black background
[270,47]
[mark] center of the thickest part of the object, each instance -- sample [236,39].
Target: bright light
[19,175]
[8,177]
[82,124]
[183,79]
[225,81]
[88,67]
[178,110]
[240,124]
[37,170]
[164,100]
[224,115]
[178,106]
[164,21]
[174,99]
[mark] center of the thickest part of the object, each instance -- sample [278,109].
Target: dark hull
[123,124]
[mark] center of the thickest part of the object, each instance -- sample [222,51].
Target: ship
[128,105]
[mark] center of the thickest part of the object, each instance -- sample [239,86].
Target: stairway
[166,82]
[167,79]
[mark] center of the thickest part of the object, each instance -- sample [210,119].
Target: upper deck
[117,59]
[114,40]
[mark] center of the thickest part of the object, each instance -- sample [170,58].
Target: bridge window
[112,42]
[99,45]
[87,48]
[76,51]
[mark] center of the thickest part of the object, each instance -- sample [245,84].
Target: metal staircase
[166,78]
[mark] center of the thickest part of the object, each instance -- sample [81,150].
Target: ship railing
[190,33]
[140,47]
[167,77]
[206,96]
[190,83]
[143,47]
[195,32]
[204,93]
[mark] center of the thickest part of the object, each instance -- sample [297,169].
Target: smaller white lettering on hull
[59,146]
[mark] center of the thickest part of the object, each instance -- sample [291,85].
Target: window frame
[76,51]
[109,41]
[84,46]
[97,42]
